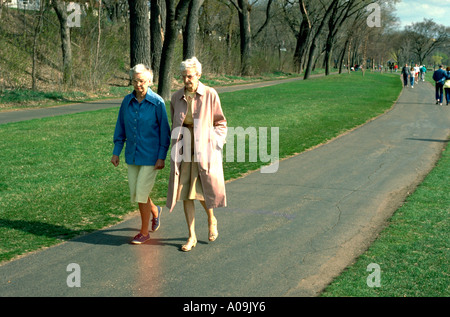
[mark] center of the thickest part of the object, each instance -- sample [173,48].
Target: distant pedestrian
[412,76]
[422,70]
[447,86]
[143,125]
[405,72]
[417,71]
[439,76]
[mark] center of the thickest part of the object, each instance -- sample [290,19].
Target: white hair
[141,68]
[191,63]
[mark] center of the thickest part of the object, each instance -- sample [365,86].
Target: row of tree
[247,37]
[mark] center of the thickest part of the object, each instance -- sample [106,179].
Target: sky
[409,11]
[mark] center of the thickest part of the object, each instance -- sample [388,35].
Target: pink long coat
[210,130]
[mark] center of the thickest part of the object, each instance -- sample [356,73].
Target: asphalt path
[283,234]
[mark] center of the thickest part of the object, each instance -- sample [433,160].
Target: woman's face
[141,83]
[190,79]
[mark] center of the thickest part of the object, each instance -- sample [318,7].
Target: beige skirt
[189,185]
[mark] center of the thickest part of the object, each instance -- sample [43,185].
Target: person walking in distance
[439,76]
[405,73]
[412,76]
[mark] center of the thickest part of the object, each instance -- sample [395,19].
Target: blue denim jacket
[144,128]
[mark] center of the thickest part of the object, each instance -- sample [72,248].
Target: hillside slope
[17,32]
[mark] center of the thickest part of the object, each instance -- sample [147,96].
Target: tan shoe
[213,233]
[191,243]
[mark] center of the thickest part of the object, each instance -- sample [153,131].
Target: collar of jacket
[150,97]
[201,89]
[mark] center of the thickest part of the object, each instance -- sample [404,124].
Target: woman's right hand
[115,160]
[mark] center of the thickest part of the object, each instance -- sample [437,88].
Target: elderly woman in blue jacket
[143,125]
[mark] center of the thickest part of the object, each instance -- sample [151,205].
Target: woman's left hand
[159,164]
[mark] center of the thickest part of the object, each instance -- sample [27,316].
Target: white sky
[409,11]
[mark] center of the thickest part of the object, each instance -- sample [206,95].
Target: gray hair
[141,68]
[191,63]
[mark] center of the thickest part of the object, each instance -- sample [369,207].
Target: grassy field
[56,180]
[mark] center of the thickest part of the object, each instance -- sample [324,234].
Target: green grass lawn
[56,181]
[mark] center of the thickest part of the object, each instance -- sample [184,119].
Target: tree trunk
[338,16]
[333,21]
[328,53]
[342,55]
[229,39]
[156,40]
[363,66]
[61,12]
[37,31]
[313,47]
[302,38]
[189,34]
[348,55]
[246,36]
[139,33]
[173,20]
[97,53]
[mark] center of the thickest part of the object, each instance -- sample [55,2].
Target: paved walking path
[283,234]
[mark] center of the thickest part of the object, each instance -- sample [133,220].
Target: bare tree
[312,51]
[61,11]
[244,8]
[302,37]
[340,13]
[116,9]
[352,29]
[425,37]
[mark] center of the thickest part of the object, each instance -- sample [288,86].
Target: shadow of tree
[41,228]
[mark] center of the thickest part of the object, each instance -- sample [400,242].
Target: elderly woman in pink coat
[199,130]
